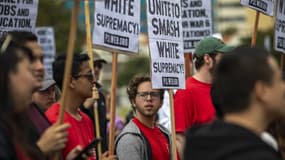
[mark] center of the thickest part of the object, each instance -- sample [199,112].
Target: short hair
[236,75]
[134,83]
[58,67]
[199,60]
[22,37]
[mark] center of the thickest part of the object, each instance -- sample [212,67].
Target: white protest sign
[117,25]
[280,26]
[166,43]
[46,40]
[18,15]
[196,22]
[264,6]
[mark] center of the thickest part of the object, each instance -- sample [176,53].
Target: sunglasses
[89,76]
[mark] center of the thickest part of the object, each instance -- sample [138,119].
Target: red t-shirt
[157,140]
[81,131]
[193,105]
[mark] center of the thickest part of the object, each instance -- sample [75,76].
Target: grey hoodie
[132,145]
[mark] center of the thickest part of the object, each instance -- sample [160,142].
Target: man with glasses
[81,132]
[87,107]
[142,138]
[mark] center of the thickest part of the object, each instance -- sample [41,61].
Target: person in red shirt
[81,132]
[193,106]
[143,138]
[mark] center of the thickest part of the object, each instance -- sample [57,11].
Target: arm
[130,147]
[180,141]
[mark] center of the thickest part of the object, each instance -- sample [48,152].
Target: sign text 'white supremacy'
[117,25]
[280,26]
[17,15]
[166,43]
[196,22]
[264,6]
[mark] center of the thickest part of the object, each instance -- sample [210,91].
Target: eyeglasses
[89,76]
[144,95]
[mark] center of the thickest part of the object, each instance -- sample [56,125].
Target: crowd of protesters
[236,96]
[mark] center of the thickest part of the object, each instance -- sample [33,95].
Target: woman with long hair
[16,87]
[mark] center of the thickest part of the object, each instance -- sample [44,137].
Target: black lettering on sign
[120,6]
[9,1]
[8,10]
[280,25]
[167,49]
[281,42]
[27,1]
[281,7]
[116,40]
[23,12]
[198,33]
[170,81]
[165,27]
[167,67]
[190,44]
[164,8]
[194,13]
[191,3]
[15,22]
[260,4]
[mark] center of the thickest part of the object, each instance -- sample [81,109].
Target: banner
[166,43]
[117,25]
[280,26]
[264,6]
[46,40]
[197,22]
[18,15]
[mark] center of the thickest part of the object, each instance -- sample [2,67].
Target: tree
[53,13]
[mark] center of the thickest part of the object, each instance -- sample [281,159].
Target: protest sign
[264,6]
[18,15]
[117,25]
[196,22]
[166,43]
[280,26]
[46,40]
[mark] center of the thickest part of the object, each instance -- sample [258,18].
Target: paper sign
[264,6]
[117,25]
[46,40]
[166,43]
[18,15]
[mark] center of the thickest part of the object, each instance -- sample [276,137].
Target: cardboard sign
[280,26]
[196,22]
[264,6]
[166,43]
[46,40]
[117,25]
[18,15]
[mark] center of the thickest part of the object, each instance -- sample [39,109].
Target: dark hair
[134,83]
[199,60]
[22,37]
[236,75]
[15,124]
[59,65]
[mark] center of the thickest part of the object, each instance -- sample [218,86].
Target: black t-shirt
[225,141]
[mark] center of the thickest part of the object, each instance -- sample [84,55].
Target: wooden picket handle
[68,64]
[113,103]
[173,133]
[254,33]
[91,63]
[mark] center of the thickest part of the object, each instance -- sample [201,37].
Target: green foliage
[133,66]
[52,13]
